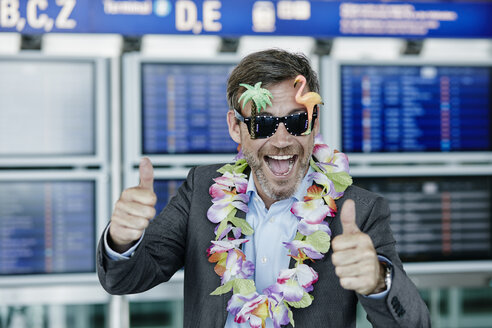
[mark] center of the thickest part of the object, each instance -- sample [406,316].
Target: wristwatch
[388,274]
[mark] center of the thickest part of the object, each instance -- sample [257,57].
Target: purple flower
[292,284]
[237,267]
[279,312]
[252,308]
[330,160]
[323,180]
[240,154]
[221,246]
[307,228]
[236,232]
[296,245]
[223,205]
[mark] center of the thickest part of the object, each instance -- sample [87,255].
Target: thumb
[348,217]
[146,174]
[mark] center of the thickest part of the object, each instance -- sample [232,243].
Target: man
[137,253]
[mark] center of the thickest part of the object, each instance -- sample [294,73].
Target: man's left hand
[354,257]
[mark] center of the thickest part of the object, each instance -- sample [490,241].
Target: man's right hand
[133,211]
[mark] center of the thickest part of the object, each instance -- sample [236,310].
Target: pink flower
[233,180]
[252,308]
[313,211]
[293,283]
[216,190]
[302,274]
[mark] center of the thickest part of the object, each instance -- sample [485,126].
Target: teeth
[290,158]
[281,158]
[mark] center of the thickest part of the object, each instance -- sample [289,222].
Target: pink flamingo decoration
[310,100]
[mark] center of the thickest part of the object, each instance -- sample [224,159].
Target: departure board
[438,218]
[47,107]
[419,108]
[184,108]
[164,190]
[47,227]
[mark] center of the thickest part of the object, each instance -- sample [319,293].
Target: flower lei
[331,178]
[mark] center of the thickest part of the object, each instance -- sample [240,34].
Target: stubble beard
[277,192]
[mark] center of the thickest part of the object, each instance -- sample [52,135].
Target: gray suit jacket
[180,235]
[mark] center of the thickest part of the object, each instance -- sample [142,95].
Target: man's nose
[282,137]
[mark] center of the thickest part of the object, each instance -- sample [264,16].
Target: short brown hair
[269,67]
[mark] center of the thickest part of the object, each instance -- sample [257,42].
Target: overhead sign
[316,18]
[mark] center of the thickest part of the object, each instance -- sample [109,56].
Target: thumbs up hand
[354,257]
[133,211]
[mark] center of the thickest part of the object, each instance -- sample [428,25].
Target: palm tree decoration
[261,98]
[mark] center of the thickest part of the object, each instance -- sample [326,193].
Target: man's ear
[234,128]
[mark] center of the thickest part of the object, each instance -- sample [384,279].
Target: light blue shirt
[265,247]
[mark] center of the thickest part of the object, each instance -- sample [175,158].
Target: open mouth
[280,165]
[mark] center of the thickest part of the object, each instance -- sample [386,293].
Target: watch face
[387,277]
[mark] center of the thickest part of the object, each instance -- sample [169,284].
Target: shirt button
[272,220]
[264,260]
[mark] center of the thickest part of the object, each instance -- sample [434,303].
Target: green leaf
[247,86]
[320,240]
[303,303]
[315,167]
[237,167]
[341,180]
[241,223]
[259,102]
[222,226]
[299,236]
[290,314]
[240,166]
[231,214]
[223,289]
[244,286]
[226,168]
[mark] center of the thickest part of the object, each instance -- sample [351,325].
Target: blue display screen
[438,218]
[47,227]
[184,109]
[389,108]
[164,190]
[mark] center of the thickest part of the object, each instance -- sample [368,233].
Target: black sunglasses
[266,126]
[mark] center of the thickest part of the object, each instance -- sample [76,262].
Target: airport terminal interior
[79,111]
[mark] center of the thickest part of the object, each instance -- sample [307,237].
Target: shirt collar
[298,195]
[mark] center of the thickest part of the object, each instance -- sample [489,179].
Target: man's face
[280,162]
